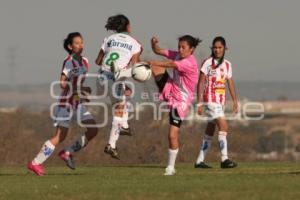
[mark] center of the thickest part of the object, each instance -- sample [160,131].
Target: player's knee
[225,128]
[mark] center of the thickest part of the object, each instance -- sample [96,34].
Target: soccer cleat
[112,152]
[170,171]
[125,131]
[68,158]
[228,164]
[202,165]
[37,169]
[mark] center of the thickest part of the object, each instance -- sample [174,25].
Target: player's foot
[68,158]
[169,171]
[112,152]
[228,164]
[202,165]
[37,169]
[125,131]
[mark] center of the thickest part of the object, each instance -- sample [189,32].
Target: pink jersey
[72,69]
[215,83]
[179,90]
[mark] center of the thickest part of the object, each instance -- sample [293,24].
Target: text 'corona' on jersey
[113,43]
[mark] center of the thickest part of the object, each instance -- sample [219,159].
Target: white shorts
[64,116]
[214,111]
[115,90]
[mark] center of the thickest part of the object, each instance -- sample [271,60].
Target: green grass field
[248,181]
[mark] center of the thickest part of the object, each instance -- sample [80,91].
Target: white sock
[125,117]
[172,157]
[80,143]
[206,144]
[114,132]
[223,145]
[45,152]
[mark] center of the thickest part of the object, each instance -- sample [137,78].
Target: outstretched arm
[163,63]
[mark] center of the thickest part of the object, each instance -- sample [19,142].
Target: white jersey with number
[119,49]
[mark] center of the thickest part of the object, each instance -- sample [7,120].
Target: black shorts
[161,81]
[174,118]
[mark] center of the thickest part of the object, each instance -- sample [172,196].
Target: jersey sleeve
[170,54]
[67,69]
[137,48]
[104,45]
[204,67]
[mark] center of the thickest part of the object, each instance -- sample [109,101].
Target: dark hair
[69,40]
[223,42]
[117,23]
[192,42]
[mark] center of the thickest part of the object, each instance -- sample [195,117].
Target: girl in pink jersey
[177,91]
[69,107]
[216,71]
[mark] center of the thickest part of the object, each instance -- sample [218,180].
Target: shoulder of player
[193,60]
[135,40]
[85,61]
[67,61]
[227,63]
[207,61]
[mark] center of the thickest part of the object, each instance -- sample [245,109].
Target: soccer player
[179,90]
[216,71]
[117,53]
[70,105]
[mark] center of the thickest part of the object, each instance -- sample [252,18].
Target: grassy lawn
[248,181]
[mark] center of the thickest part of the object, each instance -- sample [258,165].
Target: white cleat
[170,171]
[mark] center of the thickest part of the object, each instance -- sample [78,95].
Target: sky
[263,36]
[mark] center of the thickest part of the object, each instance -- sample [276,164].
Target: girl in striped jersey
[69,107]
[216,71]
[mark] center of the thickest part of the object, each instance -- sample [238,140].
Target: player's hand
[154,41]
[235,107]
[200,109]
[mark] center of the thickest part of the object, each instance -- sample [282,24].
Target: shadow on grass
[294,173]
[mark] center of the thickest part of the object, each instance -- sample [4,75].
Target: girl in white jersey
[69,107]
[216,71]
[117,53]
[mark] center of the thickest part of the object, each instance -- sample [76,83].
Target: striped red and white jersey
[73,69]
[215,82]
